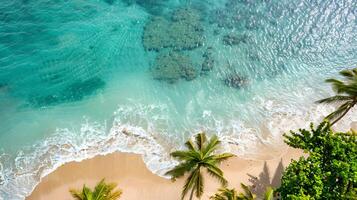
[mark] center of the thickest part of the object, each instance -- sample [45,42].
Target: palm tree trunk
[191,195]
[340,117]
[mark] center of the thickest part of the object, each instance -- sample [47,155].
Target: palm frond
[211,146]
[87,193]
[269,194]
[349,74]
[189,144]
[102,191]
[222,157]
[181,169]
[340,110]
[115,195]
[77,195]
[200,140]
[225,194]
[189,183]
[335,99]
[99,190]
[185,155]
[247,193]
[216,173]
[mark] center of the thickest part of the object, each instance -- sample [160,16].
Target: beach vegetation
[232,194]
[329,171]
[346,94]
[199,155]
[102,191]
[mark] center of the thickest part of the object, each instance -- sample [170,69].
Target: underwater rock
[189,73]
[189,15]
[186,31]
[183,32]
[235,39]
[235,80]
[186,36]
[156,34]
[208,61]
[170,66]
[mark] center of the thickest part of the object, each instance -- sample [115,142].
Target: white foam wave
[19,178]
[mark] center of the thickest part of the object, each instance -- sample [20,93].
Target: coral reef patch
[208,61]
[232,39]
[174,38]
[170,66]
[183,32]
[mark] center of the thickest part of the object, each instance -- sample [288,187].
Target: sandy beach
[137,182]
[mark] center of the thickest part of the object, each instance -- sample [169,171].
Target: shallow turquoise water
[73,74]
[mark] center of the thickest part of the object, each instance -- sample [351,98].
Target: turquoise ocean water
[76,80]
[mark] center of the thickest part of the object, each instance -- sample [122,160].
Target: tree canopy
[330,170]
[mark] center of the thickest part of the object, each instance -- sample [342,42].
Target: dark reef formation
[232,39]
[170,66]
[235,80]
[156,35]
[183,32]
[174,39]
[208,60]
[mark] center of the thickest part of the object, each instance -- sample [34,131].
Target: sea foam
[31,164]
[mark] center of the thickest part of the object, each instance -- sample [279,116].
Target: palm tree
[247,193]
[199,155]
[346,94]
[225,194]
[102,191]
[231,194]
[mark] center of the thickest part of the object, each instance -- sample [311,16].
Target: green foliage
[231,194]
[200,155]
[330,171]
[346,94]
[247,193]
[102,191]
[269,194]
[225,194]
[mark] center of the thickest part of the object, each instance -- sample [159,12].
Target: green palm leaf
[347,94]
[200,140]
[200,155]
[191,180]
[269,194]
[335,99]
[102,191]
[247,194]
[180,169]
[225,194]
[216,173]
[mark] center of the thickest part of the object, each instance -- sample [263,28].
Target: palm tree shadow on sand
[259,184]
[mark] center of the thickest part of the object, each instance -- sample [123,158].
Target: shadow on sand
[259,184]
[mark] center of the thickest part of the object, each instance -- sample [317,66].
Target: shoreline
[135,179]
